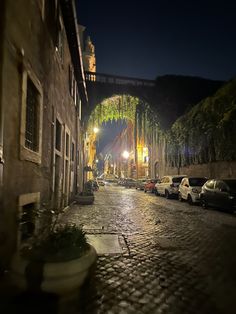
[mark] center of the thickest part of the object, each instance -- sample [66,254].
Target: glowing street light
[95,130]
[125,154]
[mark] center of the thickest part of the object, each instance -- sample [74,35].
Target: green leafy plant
[62,244]
[53,242]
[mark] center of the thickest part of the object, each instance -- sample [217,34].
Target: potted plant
[86,197]
[57,261]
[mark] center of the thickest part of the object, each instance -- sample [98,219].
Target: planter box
[60,278]
[84,199]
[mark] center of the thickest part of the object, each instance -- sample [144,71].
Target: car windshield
[177,179]
[197,181]
[231,184]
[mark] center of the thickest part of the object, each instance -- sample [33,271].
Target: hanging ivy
[207,132]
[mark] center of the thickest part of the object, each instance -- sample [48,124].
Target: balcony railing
[118,80]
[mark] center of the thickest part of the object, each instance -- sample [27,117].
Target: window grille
[32,117]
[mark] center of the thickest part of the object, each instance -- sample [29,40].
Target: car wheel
[167,194]
[190,201]
[204,204]
[180,197]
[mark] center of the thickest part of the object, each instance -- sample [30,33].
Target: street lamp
[95,130]
[125,154]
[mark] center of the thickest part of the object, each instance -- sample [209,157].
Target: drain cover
[105,243]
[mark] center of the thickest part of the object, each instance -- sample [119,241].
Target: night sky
[148,38]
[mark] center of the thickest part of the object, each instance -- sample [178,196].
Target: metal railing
[118,80]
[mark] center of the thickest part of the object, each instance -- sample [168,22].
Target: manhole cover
[105,243]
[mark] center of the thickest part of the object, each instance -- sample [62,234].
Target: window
[220,185]
[27,221]
[67,145]
[32,117]
[72,151]
[197,181]
[28,207]
[58,135]
[177,179]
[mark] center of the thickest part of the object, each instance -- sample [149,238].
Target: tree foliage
[207,132]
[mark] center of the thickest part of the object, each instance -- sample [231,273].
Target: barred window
[32,117]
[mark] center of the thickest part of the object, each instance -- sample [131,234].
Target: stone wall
[220,169]
[32,49]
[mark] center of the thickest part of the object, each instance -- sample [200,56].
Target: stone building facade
[42,95]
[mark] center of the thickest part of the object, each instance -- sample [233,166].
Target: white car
[169,185]
[100,182]
[190,188]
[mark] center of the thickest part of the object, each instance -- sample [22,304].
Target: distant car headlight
[195,191]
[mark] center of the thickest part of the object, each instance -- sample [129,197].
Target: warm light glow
[125,154]
[95,130]
[96,160]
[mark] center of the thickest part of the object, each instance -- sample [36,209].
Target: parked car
[130,183]
[169,185]
[140,183]
[190,188]
[100,182]
[150,185]
[220,193]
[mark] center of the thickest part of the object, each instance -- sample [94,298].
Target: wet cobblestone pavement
[175,258]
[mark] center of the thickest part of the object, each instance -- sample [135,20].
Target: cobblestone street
[175,258]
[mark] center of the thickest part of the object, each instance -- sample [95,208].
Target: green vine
[206,133]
